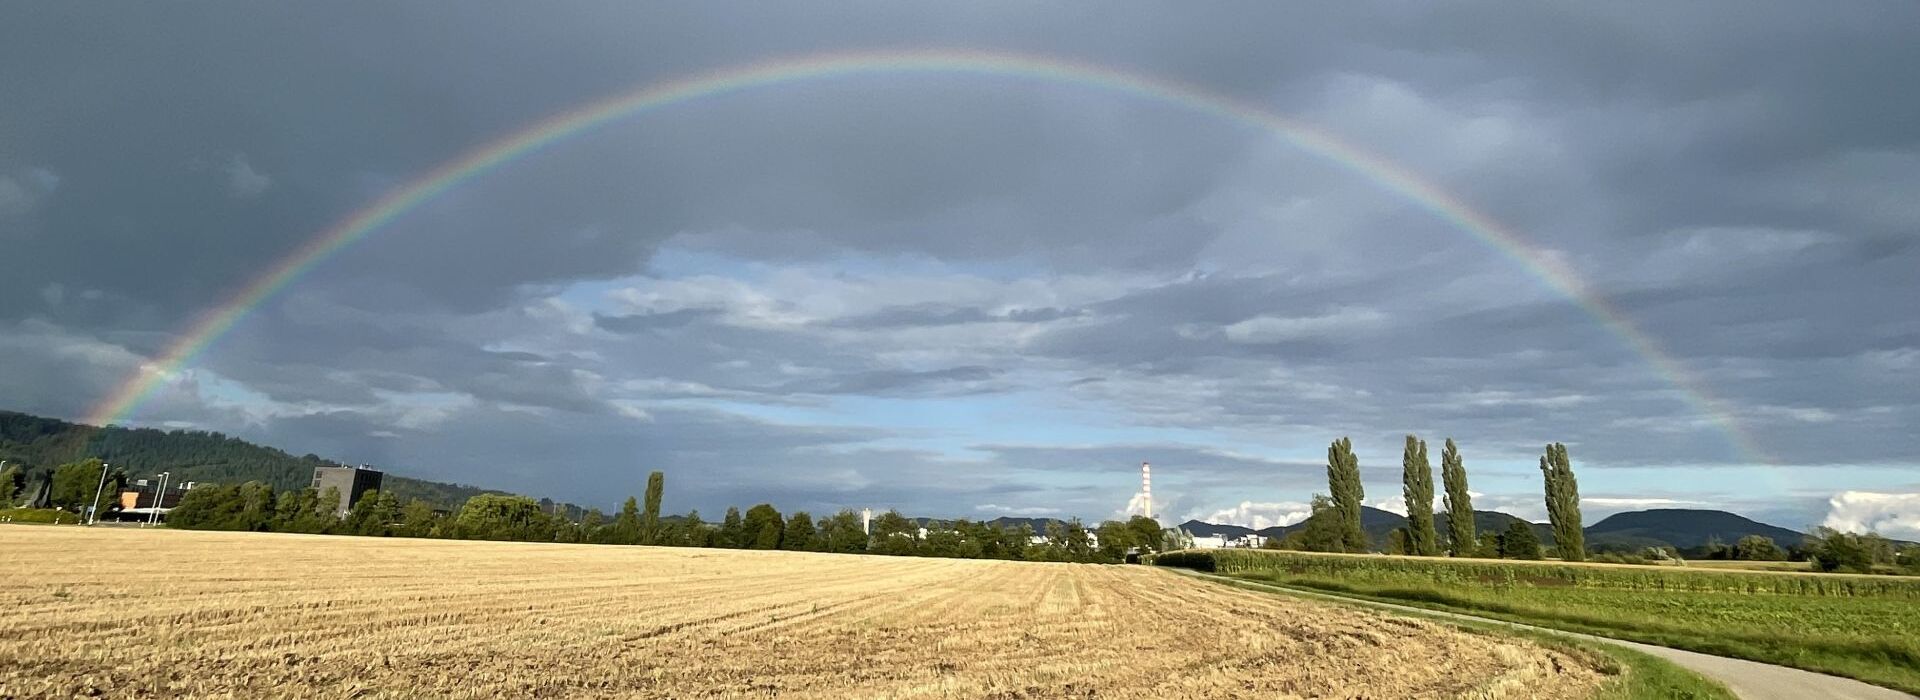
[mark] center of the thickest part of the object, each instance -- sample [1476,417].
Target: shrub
[1186,559]
[1618,558]
[39,515]
[1480,571]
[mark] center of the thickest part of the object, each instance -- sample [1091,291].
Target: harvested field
[147,613]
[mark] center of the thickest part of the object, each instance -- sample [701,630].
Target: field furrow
[154,613]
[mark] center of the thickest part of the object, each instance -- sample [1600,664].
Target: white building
[1209,542]
[1248,541]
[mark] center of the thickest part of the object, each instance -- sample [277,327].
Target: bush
[1197,560]
[1618,558]
[1832,550]
[39,515]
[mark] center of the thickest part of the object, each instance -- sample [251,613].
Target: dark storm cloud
[1735,180]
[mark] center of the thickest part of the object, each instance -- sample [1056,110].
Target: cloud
[22,191]
[941,290]
[242,180]
[1272,329]
[1396,505]
[1895,515]
[1000,510]
[1256,515]
[1637,503]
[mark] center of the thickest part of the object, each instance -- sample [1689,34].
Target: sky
[975,294]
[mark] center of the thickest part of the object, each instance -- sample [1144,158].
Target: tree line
[257,506]
[1335,521]
[37,446]
[1334,524]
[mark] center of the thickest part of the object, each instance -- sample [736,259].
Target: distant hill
[44,443]
[1494,521]
[1202,529]
[1680,528]
[1684,528]
[1377,524]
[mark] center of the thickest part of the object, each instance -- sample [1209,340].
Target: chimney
[1146,486]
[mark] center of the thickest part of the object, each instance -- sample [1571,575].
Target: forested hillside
[40,444]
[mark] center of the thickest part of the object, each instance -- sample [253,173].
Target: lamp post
[93,514]
[159,497]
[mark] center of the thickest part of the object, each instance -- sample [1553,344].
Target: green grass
[42,516]
[1862,627]
[1631,675]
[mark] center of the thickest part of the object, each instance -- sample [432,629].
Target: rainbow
[216,322]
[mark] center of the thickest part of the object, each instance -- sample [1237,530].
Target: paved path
[1751,680]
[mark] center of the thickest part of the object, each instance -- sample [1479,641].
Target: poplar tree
[1343,482]
[1563,503]
[732,530]
[1416,480]
[650,518]
[1459,503]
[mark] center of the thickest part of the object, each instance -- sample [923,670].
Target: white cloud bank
[1895,515]
[1256,515]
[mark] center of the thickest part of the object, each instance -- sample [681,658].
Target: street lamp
[93,514]
[158,498]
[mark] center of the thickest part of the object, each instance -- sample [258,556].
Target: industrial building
[350,482]
[143,493]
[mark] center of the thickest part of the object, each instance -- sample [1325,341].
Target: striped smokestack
[1146,486]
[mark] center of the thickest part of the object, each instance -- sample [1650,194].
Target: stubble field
[145,613]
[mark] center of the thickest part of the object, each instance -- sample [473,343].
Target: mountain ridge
[1681,528]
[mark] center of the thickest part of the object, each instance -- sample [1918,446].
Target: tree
[418,519]
[626,525]
[1322,531]
[971,540]
[1715,549]
[762,527]
[1563,503]
[1147,534]
[208,508]
[1115,540]
[841,533]
[1833,550]
[696,531]
[491,516]
[799,535]
[13,480]
[1399,541]
[375,515]
[650,519]
[1758,548]
[1073,541]
[1017,543]
[1460,535]
[894,534]
[257,507]
[297,511]
[1343,482]
[732,530]
[76,483]
[1416,480]
[942,541]
[1519,542]
[1487,546]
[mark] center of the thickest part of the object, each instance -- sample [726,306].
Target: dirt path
[1750,680]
